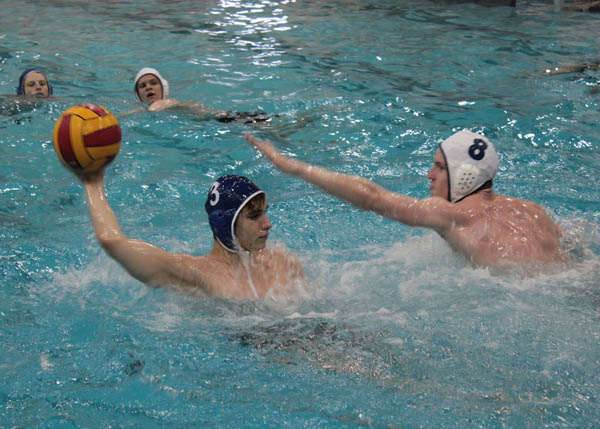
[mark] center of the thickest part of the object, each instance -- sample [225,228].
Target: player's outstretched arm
[362,193]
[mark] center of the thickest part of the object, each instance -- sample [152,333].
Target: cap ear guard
[218,219]
[219,223]
[465,177]
[165,85]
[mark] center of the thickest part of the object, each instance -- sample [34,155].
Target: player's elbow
[109,242]
[126,252]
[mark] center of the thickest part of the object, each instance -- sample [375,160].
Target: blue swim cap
[21,87]
[226,199]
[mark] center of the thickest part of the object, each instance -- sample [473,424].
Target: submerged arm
[582,6]
[202,112]
[192,108]
[568,68]
[131,112]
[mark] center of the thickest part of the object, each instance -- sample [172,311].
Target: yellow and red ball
[86,138]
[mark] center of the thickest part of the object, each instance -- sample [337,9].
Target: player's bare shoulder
[530,219]
[522,208]
[202,273]
[282,260]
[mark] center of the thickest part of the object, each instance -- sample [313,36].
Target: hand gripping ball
[86,138]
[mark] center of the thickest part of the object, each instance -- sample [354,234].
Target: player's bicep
[144,261]
[435,213]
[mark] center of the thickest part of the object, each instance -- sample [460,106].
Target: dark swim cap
[21,87]
[226,199]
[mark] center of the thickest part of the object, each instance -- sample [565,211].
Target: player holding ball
[240,266]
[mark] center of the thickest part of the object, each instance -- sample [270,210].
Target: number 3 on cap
[213,192]
[477,149]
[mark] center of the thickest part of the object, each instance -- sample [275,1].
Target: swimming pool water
[392,329]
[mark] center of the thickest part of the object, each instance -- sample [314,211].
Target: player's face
[36,84]
[149,88]
[252,226]
[438,174]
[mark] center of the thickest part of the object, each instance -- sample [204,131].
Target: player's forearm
[364,194]
[356,190]
[104,220]
[130,112]
[198,110]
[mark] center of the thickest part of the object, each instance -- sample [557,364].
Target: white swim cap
[471,161]
[144,72]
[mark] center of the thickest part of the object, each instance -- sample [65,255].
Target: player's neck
[221,254]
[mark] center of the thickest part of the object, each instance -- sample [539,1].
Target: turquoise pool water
[392,329]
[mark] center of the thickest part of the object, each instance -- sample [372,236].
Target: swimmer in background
[33,88]
[583,6]
[570,68]
[152,89]
[239,265]
[489,229]
[33,82]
